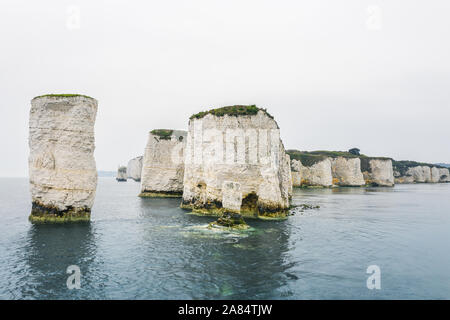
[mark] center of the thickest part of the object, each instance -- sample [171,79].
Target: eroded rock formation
[444,175]
[378,172]
[314,175]
[121,174]
[63,175]
[134,168]
[163,166]
[236,162]
[347,172]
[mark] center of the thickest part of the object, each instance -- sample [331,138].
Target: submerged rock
[63,175]
[235,161]
[163,166]
[230,220]
[121,174]
[134,168]
[378,172]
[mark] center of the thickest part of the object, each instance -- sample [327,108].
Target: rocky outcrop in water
[444,175]
[63,175]
[134,168]
[338,168]
[121,174]
[415,172]
[346,172]
[315,175]
[163,166]
[378,172]
[236,162]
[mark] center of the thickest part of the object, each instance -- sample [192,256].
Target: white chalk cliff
[163,166]
[422,174]
[315,175]
[134,168]
[62,170]
[347,172]
[378,172]
[236,163]
[121,174]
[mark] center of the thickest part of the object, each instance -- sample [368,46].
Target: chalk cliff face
[420,174]
[316,175]
[236,163]
[63,175]
[435,175]
[378,172]
[163,167]
[121,174]
[134,168]
[444,175]
[347,172]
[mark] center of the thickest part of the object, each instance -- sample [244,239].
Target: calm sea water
[150,249]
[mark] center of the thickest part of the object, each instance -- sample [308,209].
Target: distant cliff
[418,172]
[337,168]
[163,166]
[134,168]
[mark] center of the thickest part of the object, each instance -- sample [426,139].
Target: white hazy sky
[335,74]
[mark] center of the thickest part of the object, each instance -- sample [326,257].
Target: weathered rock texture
[163,166]
[236,162]
[121,174]
[63,175]
[315,175]
[378,172]
[347,172]
[415,172]
[444,175]
[134,168]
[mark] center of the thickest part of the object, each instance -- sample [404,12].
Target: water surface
[151,249]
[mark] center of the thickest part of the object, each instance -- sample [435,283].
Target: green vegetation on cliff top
[403,165]
[237,110]
[309,158]
[164,134]
[63,95]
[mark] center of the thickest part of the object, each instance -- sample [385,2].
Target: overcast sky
[335,74]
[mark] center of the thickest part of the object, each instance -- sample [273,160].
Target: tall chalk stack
[62,170]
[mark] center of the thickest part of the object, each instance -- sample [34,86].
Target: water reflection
[187,260]
[51,249]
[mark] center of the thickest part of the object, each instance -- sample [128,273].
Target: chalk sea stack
[121,174]
[63,175]
[339,168]
[416,172]
[378,171]
[134,168]
[235,162]
[163,165]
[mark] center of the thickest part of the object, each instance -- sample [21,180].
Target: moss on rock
[164,134]
[236,110]
[160,194]
[62,95]
[41,213]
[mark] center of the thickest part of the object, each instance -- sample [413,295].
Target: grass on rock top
[403,166]
[63,95]
[237,110]
[164,134]
[309,158]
